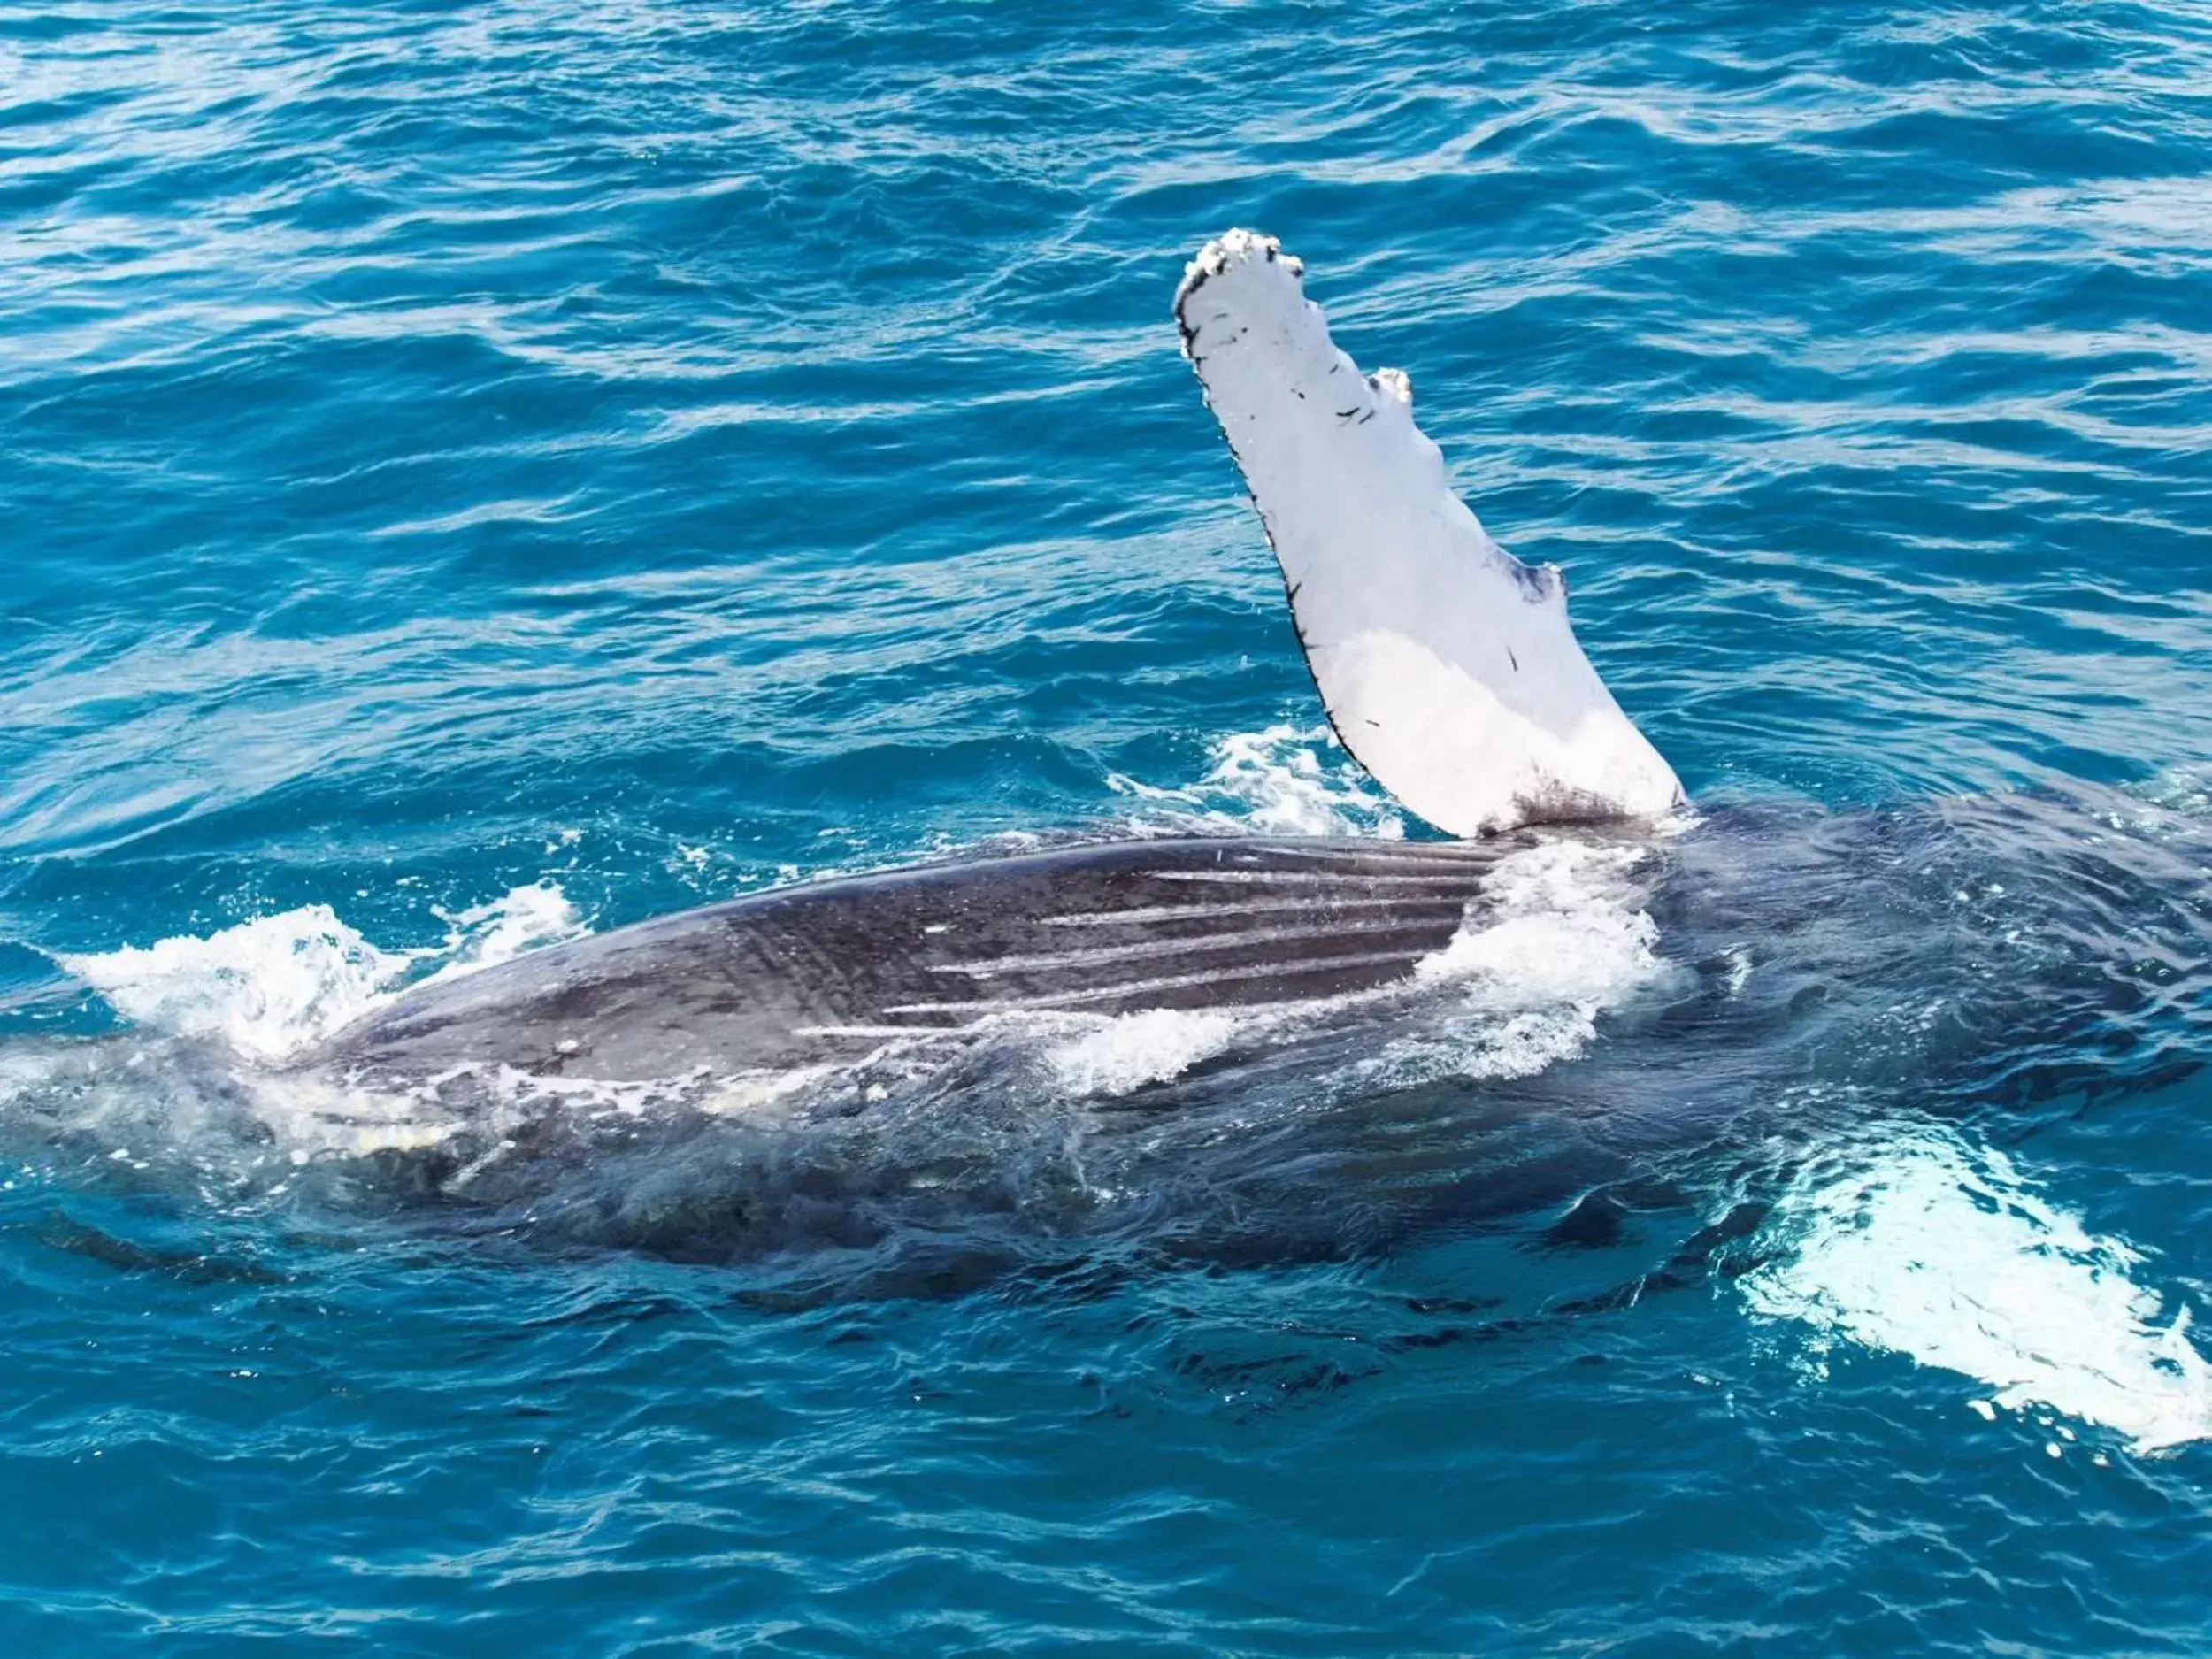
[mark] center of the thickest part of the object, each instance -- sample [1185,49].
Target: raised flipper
[1446,666]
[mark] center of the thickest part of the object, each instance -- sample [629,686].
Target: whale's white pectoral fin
[1446,666]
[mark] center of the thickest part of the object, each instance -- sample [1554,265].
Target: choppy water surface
[470,480]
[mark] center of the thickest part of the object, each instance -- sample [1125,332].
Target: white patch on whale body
[1947,1254]
[273,986]
[1446,666]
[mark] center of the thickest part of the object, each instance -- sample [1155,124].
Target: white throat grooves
[1446,666]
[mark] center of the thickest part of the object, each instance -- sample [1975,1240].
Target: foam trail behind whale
[1446,666]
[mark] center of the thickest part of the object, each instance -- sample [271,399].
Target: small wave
[1129,1051]
[1560,938]
[1949,1256]
[265,988]
[273,987]
[1284,780]
[2174,795]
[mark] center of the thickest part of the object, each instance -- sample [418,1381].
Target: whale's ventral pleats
[829,970]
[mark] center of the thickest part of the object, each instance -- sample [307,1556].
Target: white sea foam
[266,988]
[2174,804]
[1947,1254]
[1284,780]
[1559,939]
[525,918]
[2183,790]
[276,985]
[1128,1051]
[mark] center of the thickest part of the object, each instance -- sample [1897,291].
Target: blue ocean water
[470,477]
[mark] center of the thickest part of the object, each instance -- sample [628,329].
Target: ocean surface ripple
[477,475]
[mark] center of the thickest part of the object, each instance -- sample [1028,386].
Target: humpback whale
[1226,1046]
[1446,667]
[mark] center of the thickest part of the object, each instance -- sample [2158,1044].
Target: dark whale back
[834,969]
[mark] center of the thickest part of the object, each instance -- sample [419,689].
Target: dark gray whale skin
[833,969]
[2022,954]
